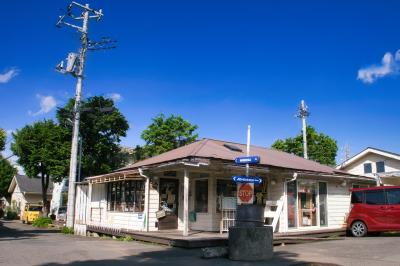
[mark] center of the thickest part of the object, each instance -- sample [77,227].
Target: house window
[367,168]
[201,197]
[225,188]
[126,196]
[380,167]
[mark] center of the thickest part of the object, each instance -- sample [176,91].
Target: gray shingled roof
[31,185]
[215,149]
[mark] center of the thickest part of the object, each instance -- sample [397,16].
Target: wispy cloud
[47,103]
[116,97]
[390,65]
[8,75]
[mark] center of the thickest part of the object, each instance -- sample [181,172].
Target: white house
[380,164]
[26,190]
[191,188]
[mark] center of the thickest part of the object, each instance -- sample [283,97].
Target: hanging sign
[247,160]
[245,193]
[247,179]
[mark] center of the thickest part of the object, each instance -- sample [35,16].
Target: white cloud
[9,132]
[390,65]
[116,97]
[47,103]
[8,75]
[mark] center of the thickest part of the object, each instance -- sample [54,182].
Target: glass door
[307,203]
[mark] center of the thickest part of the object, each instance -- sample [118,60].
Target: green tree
[7,171]
[3,139]
[321,148]
[43,150]
[165,134]
[101,127]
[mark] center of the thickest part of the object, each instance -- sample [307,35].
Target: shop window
[126,196]
[225,188]
[201,197]
[323,207]
[291,191]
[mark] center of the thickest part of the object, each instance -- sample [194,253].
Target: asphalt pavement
[25,245]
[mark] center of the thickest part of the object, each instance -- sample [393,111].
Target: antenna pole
[303,113]
[248,149]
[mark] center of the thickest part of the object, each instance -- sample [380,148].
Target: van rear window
[357,197]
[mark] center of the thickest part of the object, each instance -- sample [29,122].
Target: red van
[374,209]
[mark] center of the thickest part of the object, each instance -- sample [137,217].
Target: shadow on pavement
[177,256]
[8,233]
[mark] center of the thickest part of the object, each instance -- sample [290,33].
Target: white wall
[357,167]
[338,204]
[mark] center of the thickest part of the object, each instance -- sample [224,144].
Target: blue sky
[220,64]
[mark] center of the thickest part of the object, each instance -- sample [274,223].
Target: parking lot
[24,245]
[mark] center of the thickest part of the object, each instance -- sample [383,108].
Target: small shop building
[191,189]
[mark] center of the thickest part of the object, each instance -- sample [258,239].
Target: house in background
[4,202]
[191,188]
[59,199]
[377,163]
[26,190]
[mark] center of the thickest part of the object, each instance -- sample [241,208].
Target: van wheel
[359,229]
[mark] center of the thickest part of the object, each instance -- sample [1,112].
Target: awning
[116,176]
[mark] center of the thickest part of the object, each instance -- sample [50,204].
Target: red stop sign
[245,193]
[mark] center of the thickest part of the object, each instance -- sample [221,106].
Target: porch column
[185,202]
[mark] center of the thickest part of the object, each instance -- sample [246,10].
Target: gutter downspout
[148,198]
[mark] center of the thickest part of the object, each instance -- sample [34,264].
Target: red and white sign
[245,193]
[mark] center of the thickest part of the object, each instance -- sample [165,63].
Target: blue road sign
[247,160]
[247,179]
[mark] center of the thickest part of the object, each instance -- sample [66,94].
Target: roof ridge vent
[232,147]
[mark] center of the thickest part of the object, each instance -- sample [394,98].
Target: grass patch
[42,222]
[67,230]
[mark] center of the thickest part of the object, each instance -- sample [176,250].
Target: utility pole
[303,113]
[75,67]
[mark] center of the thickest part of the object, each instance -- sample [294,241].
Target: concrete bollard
[250,240]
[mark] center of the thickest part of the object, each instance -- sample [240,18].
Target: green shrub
[42,222]
[11,215]
[67,230]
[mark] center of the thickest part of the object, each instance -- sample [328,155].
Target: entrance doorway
[169,199]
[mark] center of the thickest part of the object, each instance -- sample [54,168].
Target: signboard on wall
[245,193]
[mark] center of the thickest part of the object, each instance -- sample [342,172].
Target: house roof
[366,151]
[218,149]
[28,185]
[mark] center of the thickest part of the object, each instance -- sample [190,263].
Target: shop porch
[200,239]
